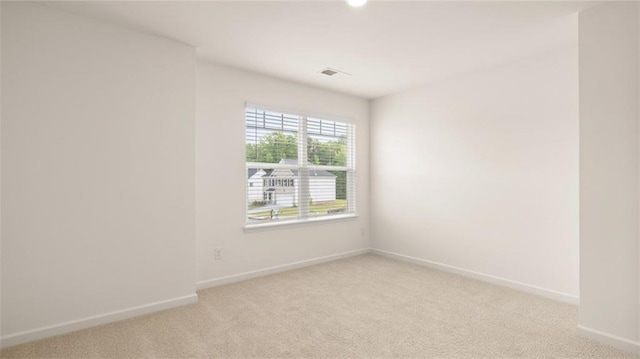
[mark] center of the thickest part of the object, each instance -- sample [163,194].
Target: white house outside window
[298,167]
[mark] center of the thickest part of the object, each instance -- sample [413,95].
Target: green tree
[272,148]
[251,151]
[341,184]
[330,153]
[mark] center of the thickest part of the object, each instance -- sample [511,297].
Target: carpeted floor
[365,306]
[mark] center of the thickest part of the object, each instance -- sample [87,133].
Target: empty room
[320,179]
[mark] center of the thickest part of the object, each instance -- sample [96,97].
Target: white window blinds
[298,167]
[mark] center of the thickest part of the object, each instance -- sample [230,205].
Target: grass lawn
[314,209]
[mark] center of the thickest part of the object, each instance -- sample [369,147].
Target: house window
[307,165]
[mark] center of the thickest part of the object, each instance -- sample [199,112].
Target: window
[298,167]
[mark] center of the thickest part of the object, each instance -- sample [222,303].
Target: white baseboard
[63,328]
[543,292]
[71,326]
[609,339]
[210,283]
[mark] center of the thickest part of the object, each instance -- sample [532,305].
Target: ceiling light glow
[356,3]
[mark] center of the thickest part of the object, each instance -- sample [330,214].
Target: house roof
[312,173]
[294,162]
[252,171]
[290,161]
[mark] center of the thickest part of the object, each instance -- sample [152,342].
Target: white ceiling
[387,46]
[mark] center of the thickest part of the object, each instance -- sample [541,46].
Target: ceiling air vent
[330,72]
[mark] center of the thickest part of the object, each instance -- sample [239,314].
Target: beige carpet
[366,306]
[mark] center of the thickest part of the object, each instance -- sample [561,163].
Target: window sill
[298,223]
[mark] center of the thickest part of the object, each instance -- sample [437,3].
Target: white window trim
[258,227]
[350,169]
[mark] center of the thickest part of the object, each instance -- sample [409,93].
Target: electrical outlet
[362,232]
[217,253]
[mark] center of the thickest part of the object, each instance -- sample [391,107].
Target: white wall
[98,170]
[480,173]
[609,177]
[0,171]
[221,176]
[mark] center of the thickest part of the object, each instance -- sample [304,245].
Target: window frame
[304,166]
